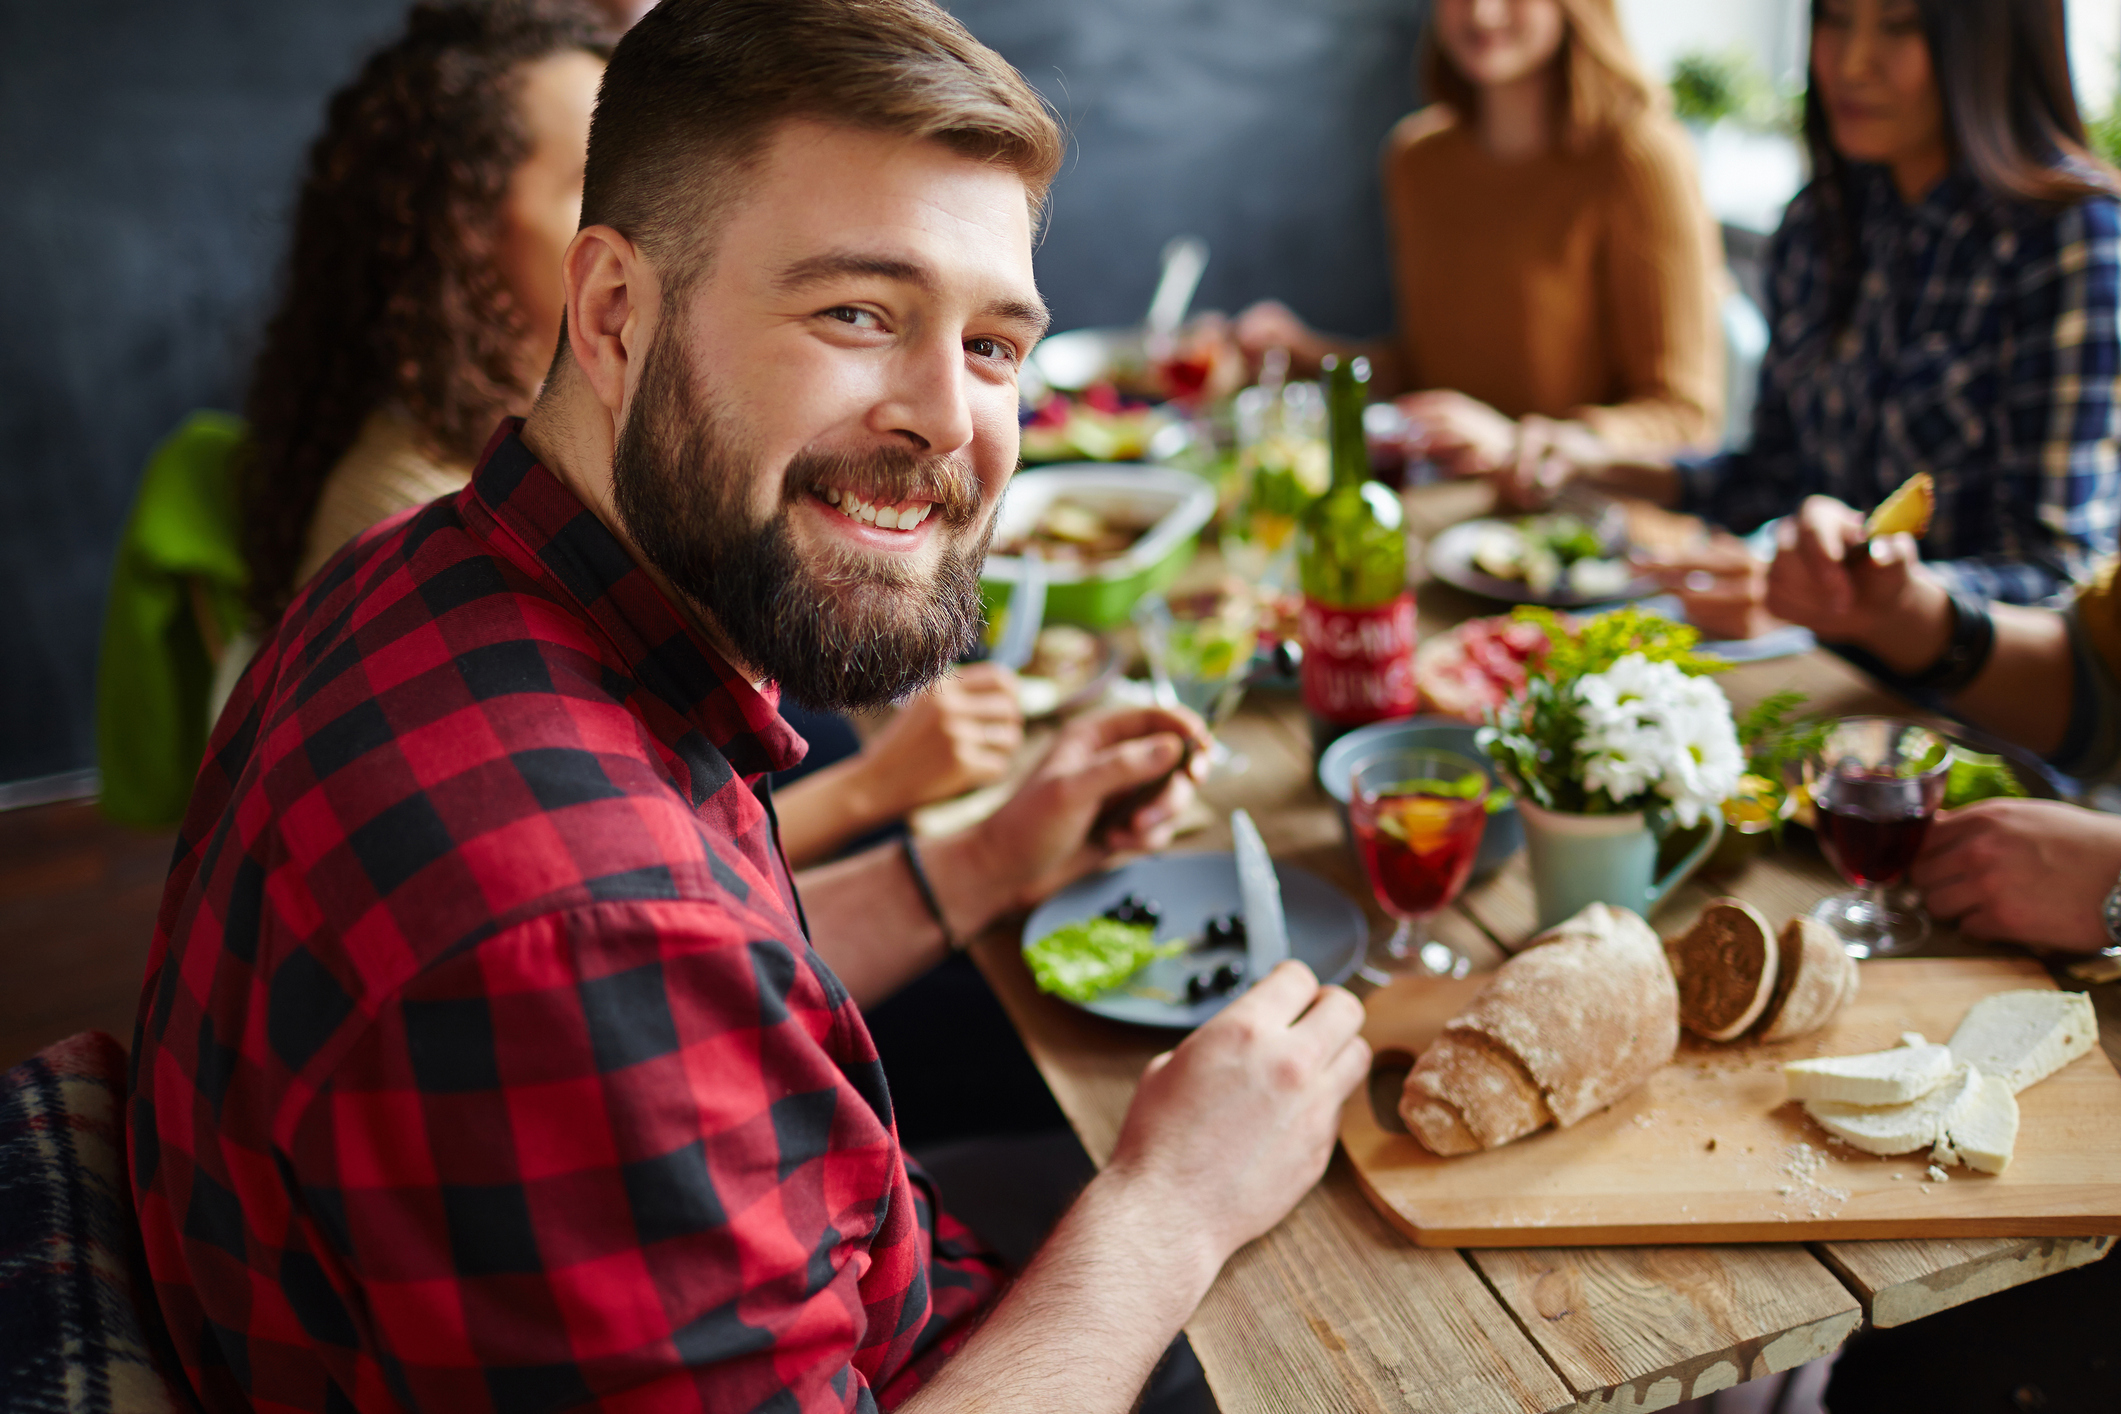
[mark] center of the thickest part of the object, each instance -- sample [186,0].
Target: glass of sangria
[1418,815]
[1875,784]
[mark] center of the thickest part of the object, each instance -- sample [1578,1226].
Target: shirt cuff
[1699,477]
[2091,745]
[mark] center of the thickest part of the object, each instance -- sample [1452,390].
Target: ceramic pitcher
[1611,859]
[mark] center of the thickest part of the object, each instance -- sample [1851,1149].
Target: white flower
[1649,727]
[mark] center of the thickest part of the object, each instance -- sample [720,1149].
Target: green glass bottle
[1351,549]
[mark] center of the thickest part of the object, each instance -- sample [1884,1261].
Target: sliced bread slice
[1487,1087]
[1725,965]
[1909,1071]
[1814,979]
[2023,1037]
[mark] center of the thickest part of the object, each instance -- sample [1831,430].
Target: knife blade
[1259,893]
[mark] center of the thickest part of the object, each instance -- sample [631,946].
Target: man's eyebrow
[1017,311]
[818,268]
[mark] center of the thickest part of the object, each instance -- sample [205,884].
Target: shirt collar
[547,531]
[1955,193]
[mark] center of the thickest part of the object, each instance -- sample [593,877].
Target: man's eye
[991,348]
[859,318]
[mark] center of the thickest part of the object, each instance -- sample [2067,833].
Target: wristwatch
[1966,650]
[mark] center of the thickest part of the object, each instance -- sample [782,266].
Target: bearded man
[487,1059]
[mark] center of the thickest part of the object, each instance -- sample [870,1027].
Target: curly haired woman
[423,301]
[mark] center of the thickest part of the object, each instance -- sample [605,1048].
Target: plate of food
[1470,670]
[1161,942]
[1559,559]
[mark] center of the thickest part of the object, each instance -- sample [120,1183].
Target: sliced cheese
[1907,1072]
[1896,1129]
[2023,1037]
[1981,1128]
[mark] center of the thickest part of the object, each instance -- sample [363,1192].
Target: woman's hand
[1831,577]
[1722,584]
[1270,324]
[2030,871]
[958,735]
[1462,435]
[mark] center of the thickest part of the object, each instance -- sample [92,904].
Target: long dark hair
[391,290]
[2002,71]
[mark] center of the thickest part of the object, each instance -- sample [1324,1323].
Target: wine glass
[1875,783]
[1418,816]
[1199,646]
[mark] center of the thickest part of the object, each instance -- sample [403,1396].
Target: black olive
[1133,909]
[1197,988]
[1229,975]
[1225,932]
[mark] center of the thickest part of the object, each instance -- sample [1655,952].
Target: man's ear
[606,281]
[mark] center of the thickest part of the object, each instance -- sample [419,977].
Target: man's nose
[925,400]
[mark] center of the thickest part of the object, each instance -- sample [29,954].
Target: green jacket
[180,565]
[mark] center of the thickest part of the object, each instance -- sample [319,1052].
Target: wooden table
[1335,1311]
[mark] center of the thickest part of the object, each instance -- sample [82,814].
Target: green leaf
[1084,959]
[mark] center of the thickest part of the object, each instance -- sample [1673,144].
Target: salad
[1550,552]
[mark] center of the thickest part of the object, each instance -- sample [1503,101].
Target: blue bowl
[1336,769]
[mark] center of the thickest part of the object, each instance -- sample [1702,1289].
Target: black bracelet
[927,890]
[1966,651]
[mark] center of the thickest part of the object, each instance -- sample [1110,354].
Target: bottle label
[1359,663]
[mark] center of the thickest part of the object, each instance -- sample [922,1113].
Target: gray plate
[1326,929]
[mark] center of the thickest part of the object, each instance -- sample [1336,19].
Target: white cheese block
[1907,1072]
[1895,1129]
[2021,1037]
[1981,1128]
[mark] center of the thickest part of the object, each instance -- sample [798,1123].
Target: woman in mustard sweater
[1551,253]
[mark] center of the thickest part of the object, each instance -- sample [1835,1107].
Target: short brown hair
[697,88]
[1603,87]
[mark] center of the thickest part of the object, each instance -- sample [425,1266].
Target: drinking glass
[1875,783]
[1418,816]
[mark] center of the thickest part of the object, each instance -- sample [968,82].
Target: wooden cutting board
[1712,1150]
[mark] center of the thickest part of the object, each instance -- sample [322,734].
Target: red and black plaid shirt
[482,1060]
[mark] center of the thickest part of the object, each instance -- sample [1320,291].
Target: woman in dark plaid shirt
[1942,298]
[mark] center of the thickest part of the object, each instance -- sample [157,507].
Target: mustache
[887,475]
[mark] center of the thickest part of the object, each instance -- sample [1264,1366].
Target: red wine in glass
[1876,783]
[1868,850]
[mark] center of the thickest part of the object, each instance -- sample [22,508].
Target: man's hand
[1225,1135]
[1236,1125]
[1040,839]
[2030,871]
[959,734]
[1462,435]
[1832,578]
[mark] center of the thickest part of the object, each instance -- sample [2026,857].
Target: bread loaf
[1576,1021]
[1726,966]
[1817,978]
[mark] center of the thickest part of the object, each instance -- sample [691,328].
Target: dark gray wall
[148,150]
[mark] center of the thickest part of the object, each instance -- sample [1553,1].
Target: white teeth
[887,518]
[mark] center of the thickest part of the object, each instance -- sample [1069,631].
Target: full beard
[848,633]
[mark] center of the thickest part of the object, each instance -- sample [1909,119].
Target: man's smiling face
[827,416]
